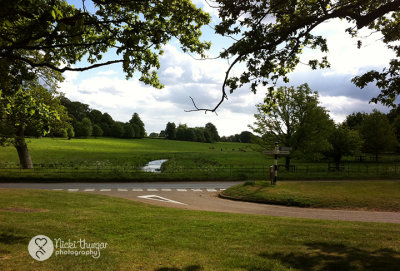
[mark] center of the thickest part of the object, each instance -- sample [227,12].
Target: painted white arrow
[155,197]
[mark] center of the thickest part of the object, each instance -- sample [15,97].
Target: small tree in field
[378,134]
[344,141]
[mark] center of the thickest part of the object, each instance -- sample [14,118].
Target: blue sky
[106,88]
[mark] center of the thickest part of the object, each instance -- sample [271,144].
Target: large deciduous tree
[297,121]
[270,35]
[378,135]
[345,141]
[31,106]
[38,37]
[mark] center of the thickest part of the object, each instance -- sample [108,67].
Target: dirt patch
[22,210]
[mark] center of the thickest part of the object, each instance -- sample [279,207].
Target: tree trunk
[287,163]
[25,160]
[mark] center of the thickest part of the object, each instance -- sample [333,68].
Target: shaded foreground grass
[143,237]
[367,195]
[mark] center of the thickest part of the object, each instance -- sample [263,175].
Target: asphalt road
[204,196]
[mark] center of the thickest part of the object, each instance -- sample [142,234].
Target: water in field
[154,166]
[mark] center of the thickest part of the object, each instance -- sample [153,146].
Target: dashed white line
[211,190]
[57,189]
[122,189]
[152,189]
[222,189]
[105,189]
[89,190]
[137,189]
[197,190]
[73,190]
[166,189]
[181,190]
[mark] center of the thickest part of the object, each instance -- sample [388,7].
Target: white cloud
[106,73]
[186,77]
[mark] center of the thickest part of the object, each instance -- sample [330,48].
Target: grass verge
[143,237]
[363,195]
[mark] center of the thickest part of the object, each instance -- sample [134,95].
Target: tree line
[300,122]
[86,122]
[206,134]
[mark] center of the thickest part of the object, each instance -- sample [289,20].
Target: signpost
[276,151]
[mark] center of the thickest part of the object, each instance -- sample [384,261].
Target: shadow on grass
[187,268]
[326,256]
[11,238]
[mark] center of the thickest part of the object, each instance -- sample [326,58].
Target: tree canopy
[57,35]
[298,121]
[270,36]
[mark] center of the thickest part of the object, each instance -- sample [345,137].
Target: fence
[132,172]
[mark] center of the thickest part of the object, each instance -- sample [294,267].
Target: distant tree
[154,135]
[70,132]
[245,137]
[344,141]
[97,131]
[129,131]
[106,124]
[117,130]
[170,130]
[200,134]
[297,121]
[378,134]
[213,132]
[76,110]
[135,120]
[355,120]
[396,127]
[181,132]
[95,116]
[162,133]
[84,128]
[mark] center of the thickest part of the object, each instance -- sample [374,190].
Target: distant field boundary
[321,171]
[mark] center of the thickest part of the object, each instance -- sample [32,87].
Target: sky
[106,88]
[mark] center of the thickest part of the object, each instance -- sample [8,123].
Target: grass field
[144,237]
[367,195]
[121,159]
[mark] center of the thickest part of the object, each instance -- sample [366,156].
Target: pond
[154,166]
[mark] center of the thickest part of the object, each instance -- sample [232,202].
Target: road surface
[204,196]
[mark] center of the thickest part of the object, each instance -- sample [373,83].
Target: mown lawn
[368,195]
[144,237]
[134,151]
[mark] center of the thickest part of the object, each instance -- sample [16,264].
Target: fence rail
[319,171]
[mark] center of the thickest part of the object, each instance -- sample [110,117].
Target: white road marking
[57,189]
[222,189]
[152,189]
[211,190]
[165,189]
[89,189]
[122,189]
[105,189]
[181,190]
[197,190]
[73,190]
[137,189]
[158,198]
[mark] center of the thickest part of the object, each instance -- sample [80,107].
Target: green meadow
[145,237]
[122,159]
